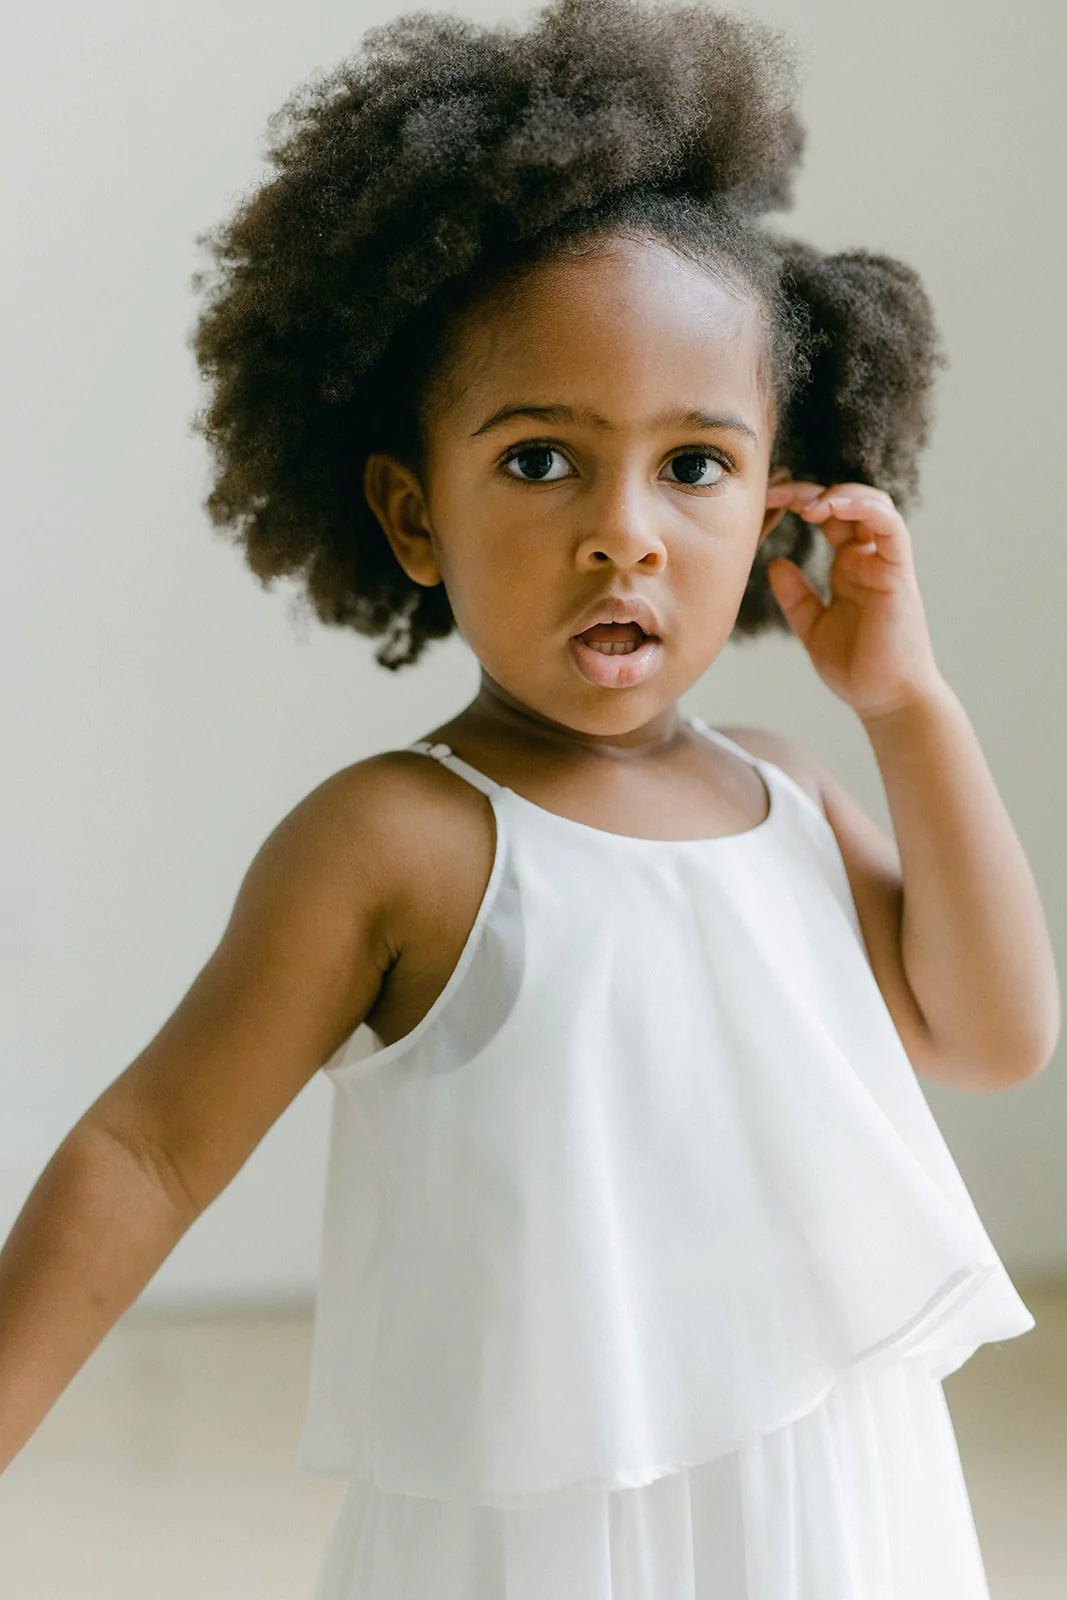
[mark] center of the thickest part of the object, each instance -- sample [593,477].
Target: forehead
[626,328]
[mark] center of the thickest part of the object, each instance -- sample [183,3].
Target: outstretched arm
[298,967]
[97,1225]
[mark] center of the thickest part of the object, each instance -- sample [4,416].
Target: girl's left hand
[870,644]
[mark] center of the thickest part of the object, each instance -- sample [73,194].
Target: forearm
[94,1229]
[974,941]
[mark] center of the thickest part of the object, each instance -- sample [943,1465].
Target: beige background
[161,712]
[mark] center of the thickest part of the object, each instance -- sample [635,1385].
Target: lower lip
[617,671]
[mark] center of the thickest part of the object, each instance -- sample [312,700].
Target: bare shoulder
[784,752]
[871,856]
[386,800]
[857,833]
[405,802]
[318,924]
[872,864]
[386,819]
[352,838]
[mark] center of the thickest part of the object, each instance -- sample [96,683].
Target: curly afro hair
[444,156]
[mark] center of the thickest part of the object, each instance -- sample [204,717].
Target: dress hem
[953,1295]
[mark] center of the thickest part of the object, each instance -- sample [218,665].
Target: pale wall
[162,712]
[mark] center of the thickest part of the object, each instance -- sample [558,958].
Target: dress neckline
[760,829]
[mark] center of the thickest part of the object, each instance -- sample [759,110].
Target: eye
[536,463]
[692,467]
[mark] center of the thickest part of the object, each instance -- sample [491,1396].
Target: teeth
[614,647]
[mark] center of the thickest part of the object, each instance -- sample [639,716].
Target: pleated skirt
[861,1498]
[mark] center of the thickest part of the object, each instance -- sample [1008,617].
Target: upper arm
[872,863]
[299,965]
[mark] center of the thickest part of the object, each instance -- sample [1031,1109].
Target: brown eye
[536,462]
[692,468]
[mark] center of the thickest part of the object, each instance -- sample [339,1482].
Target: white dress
[643,1256]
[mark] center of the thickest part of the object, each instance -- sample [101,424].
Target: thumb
[796,596]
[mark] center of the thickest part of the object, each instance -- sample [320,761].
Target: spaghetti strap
[463,769]
[723,739]
[447,757]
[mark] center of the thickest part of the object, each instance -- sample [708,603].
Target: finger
[851,494]
[835,530]
[795,595]
[793,493]
[853,490]
[864,519]
[800,490]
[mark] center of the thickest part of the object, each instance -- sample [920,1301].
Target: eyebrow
[728,421]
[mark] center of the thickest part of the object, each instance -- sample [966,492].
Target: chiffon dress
[643,1257]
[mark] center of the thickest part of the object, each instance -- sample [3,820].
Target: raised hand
[870,644]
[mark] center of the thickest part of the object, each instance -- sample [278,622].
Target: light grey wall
[161,712]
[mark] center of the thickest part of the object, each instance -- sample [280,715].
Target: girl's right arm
[299,965]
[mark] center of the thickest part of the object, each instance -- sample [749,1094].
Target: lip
[619,608]
[616,671]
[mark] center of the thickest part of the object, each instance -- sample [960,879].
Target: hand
[870,644]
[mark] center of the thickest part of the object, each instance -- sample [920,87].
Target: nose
[620,523]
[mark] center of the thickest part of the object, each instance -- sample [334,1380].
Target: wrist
[932,697]
[928,703]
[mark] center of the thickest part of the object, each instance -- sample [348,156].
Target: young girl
[643,1256]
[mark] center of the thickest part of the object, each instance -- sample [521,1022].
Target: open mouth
[614,638]
[616,655]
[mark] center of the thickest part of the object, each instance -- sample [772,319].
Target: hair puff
[442,154]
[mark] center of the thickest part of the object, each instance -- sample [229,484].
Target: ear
[773,517]
[396,497]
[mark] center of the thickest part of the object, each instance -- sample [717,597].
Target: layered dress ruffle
[862,1498]
[643,1255]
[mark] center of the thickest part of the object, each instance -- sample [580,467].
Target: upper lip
[620,608]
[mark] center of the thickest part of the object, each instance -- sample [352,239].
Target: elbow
[990,1066]
[1025,1054]
[1038,1060]
[1025,1062]
[1045,1046]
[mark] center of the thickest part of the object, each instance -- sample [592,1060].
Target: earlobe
[395,495]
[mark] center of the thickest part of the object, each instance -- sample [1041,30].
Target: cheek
[719,534]
[505,535]
[495,563]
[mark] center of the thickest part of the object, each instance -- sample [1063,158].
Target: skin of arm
[974,943]
[949,908]
[96,1226]
[298,967]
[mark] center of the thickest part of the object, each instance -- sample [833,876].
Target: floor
[167,1470]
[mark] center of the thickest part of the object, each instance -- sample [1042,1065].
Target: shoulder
[388,802]
[342,863]
[356,819]
[332,860]
[404,820]
[859,836]
[871,856]
[385,809]
[364,866]
[304,956]
[386,794]
[868,852]
[786,753]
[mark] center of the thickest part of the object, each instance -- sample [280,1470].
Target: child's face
[647,479]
